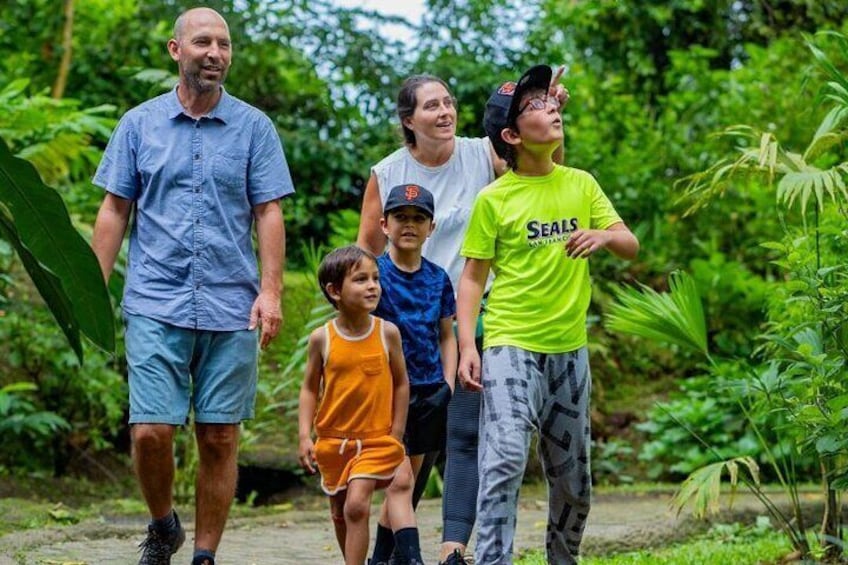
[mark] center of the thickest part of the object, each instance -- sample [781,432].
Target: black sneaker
[454,558]
[158,548]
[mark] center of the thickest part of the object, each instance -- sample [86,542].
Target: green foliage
[36,218]
[724,543]
[610,461]
[23,425]
[706,404]
[54,135]
[83,406]
[703,486]
[734,301]
[676,317]
[802,379]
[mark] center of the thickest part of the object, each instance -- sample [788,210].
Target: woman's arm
[371,237]
[447,349]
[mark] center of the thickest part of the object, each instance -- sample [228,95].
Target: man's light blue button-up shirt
[194,183]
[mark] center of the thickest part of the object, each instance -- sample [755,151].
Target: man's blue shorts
[173,369]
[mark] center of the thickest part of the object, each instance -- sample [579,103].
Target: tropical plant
[23,425]
[34,220]
[804,349]
[51,140]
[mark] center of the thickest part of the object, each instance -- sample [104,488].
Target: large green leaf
[44,227]
[46,282]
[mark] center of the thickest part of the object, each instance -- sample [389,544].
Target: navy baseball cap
[410,195]
[502,107]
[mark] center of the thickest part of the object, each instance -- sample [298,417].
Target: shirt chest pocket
[230,172]
[372,365]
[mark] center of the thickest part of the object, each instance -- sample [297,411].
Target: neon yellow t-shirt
[539,299]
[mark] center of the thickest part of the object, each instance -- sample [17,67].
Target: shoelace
[156,546]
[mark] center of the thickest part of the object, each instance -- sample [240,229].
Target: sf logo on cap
[507,89]
[412,192]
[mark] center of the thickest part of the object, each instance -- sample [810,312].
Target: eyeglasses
[539,103]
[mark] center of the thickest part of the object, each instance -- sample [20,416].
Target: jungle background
[715,127]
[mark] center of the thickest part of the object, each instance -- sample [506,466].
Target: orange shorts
[342,460]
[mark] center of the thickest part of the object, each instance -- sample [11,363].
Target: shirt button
[197,189]
[196,156]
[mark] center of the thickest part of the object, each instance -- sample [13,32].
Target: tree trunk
[67,45]
[831,522]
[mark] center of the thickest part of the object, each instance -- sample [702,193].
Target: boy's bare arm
[309,399]
[472,283]
[617,238]
[447,349]
[400,380]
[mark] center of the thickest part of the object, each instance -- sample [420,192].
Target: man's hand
[266,313]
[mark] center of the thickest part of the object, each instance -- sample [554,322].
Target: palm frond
[812,182]
[830,133]
[838,84]
[675,317]
[765,158]
[703,487]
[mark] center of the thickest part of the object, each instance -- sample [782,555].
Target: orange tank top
[357,399]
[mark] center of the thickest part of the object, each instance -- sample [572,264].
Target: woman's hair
[337,264]
[407,101]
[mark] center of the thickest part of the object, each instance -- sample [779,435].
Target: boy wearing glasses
[535,227]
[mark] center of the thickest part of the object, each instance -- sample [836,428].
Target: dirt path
[617,522]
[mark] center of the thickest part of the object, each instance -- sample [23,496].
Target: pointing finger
[557,75]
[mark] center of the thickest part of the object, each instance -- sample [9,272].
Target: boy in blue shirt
[417,297]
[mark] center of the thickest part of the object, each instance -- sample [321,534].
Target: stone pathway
[617,522]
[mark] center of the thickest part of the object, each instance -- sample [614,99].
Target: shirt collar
[222,111]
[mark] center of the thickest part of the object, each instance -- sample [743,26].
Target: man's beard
[199,84]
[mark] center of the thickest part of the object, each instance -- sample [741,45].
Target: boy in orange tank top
[356,394]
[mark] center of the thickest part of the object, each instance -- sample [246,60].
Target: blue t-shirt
[416,303]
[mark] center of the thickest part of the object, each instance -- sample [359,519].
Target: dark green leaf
[45,229]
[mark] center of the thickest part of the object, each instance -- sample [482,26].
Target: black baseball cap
[410,195]
[502,107]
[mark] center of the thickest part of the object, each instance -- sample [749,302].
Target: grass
[34,501]
[725,543]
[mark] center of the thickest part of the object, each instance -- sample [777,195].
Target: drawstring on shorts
[344,444]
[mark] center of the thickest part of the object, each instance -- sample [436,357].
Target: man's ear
[174,49]
[511,136]
[384,225]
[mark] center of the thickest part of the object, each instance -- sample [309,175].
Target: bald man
[199,168]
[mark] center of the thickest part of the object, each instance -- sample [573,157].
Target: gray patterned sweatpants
[525,392]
